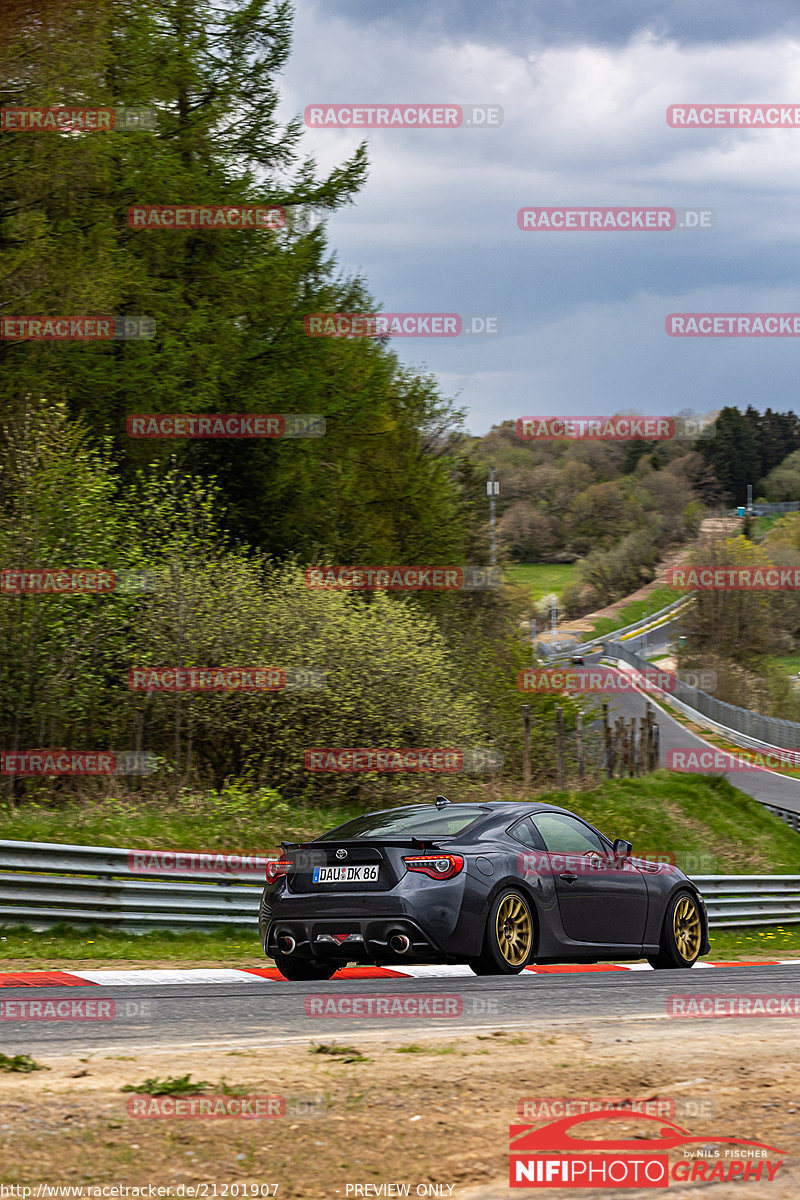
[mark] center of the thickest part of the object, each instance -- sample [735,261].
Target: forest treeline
[615,507]
[227,525]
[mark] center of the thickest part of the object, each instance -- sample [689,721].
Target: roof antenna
[441,801]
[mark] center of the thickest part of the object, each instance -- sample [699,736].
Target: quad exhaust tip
[400,943]
[286,943]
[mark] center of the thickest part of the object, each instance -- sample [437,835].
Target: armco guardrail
[656,618]
[553,649]
[770,509]
[45,883]
[751,899]
[767,731]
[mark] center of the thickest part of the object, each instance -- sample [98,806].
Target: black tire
[478,967]
[304,969]
[508,939]
[681,934]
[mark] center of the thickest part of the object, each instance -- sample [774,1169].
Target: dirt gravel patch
[422,1109]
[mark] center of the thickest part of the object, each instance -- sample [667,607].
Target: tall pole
[579,743]
[492,488]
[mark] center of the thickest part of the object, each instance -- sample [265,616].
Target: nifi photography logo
[551,1156]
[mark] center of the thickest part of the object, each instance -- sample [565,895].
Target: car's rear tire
[508,938]
[304,969]
[681,934]
[478,967]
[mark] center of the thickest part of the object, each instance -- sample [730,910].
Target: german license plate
[368,874]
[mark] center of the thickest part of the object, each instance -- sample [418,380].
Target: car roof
[488,807]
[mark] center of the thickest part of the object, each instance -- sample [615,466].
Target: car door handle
[568,877]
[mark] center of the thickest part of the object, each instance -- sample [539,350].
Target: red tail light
[276,867]
[438,866]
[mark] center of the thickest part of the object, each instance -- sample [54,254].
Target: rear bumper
[361,940]
[367,921]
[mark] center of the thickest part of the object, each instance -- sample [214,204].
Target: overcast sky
[584,85]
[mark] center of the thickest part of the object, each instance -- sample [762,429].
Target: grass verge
[699,817]
[72,950]
[65,947]
[637,610]
[235,819]
[666,812]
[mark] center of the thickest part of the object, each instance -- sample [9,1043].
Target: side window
[526,832]
[567,835]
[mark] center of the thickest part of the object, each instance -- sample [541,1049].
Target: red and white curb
[112,978]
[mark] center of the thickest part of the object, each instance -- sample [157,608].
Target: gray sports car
[501,886]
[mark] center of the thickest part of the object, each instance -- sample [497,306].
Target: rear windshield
[412,821]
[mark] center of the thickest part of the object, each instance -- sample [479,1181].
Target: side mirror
[622,849]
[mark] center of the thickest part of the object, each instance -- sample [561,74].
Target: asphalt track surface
[766,786]
[263,1013]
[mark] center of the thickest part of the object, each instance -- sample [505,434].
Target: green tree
[730,624]
[733,453]
[387,479]
[60,655]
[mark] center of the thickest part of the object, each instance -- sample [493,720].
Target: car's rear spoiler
[411,842]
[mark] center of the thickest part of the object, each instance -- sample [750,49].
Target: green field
[541,579]
[789,664]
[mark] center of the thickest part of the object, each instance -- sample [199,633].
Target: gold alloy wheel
[514,930]
[686,928]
